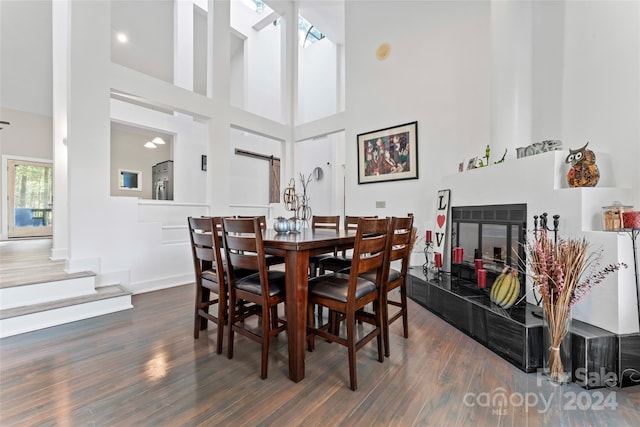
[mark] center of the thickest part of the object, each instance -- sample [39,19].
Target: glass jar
[612,217]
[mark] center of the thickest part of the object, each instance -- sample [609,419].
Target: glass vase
[557,343]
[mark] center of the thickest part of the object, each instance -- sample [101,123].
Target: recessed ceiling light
[149,144]
[122,38]
[158,141]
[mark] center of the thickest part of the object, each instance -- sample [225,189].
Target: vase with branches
[563,272]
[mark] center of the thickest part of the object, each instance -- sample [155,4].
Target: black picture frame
[203,162]
[389,154]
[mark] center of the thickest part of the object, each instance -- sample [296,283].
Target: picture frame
[472,163]
[130,180]
[203,162]
[389,154]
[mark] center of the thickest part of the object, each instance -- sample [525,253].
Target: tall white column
[289,85]
[511,73]
[183,44]
[219,147]
[60,73]
[88,133]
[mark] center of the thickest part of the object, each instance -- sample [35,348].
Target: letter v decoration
[442,222]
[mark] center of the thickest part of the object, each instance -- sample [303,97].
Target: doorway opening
[30,188]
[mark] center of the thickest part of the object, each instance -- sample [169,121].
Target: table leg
[297,266]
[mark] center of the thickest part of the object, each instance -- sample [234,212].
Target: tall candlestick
[437,259]
[482,278]
[428,238]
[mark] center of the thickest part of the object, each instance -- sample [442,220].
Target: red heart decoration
[440,220]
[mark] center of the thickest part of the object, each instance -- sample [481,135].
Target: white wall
[317,80]
[601,87]
[263,90]
[310,154]
[25,56]
[28,135]
[149,26]
[249,179]
[437,73]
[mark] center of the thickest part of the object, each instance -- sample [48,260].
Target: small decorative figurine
[539,147]
[502,159]
[584,171]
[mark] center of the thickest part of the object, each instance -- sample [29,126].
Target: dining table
[296,248]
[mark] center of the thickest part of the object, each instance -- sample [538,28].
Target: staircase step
[30,275]
[106,299]
[38,291]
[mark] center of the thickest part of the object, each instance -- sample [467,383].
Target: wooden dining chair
[322,222]
[343,260]
[398,250]
[271,259]
[345,294]
[209,275]
[243,245]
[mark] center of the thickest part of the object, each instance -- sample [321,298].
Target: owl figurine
[584,171]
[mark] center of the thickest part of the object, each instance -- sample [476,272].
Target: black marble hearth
[516,334]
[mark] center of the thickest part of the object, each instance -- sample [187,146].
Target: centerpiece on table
[564,272]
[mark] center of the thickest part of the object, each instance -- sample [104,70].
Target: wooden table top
[307,239]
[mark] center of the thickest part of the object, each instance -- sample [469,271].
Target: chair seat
[211,277]
[334,263]
[251,283]
[371,275]
[335,286]
[318,258]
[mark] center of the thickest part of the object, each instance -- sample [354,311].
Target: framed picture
[203,162]
[472,163]
[130,180]
[389,154]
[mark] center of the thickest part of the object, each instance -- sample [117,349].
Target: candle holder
[544,227]
[430,265]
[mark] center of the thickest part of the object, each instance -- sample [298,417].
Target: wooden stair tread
[40,275]
[103,292]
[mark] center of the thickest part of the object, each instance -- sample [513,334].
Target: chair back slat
[400,242]
[330,222]
[205,254]
[261,218]
[202,239]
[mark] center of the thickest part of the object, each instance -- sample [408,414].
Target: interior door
[30,198]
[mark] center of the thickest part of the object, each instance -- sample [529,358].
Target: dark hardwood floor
[142,367]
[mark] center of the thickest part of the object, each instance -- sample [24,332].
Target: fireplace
[495,233]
